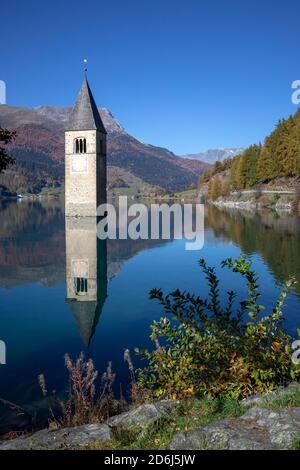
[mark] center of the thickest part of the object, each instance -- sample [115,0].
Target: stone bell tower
[85,157]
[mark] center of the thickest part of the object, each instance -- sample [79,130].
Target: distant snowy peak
[56,113]
[62,114]
[214,155]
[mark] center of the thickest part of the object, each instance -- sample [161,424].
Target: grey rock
[228,434]
[280,392]
[89,433]
[283,425]
[61,438]
[143,415]
[257,429]
[254,400]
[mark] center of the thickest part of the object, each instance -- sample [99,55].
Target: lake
[43,261]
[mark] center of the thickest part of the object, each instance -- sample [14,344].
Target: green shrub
[202,348]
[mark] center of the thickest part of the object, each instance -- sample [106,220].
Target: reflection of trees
[32,245]
[32,241]
[276,237]
[17,219]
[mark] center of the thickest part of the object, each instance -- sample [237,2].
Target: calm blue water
[39,324]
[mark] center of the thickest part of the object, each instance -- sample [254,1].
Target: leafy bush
[204,348]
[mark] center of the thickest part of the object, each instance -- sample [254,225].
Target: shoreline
[250,205]
[250,200]
[199,423]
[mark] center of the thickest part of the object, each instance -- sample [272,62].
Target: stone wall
[85,174]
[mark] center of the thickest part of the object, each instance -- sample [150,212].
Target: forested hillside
[277,157]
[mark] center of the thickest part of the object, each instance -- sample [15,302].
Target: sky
[187,75]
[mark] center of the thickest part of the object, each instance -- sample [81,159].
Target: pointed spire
[85,115]
[87,313]
[84,313]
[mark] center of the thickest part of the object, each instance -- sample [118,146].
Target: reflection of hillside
[32,245]
[276,237]
[20,218]
[119,251]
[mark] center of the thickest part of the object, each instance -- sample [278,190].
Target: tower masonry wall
[85,173]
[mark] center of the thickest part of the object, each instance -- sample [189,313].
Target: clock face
[80,268]
[79,163]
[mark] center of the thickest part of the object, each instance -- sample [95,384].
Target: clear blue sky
[184,74]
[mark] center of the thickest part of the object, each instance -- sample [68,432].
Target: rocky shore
[251,201]
[266,422]
[252,204]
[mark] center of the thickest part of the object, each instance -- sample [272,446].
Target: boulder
[87,434]
[257,429]
[142,415]
[280,393]
[282,425]
[61,438]
[228,434]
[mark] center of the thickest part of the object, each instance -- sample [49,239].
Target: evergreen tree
[6,137]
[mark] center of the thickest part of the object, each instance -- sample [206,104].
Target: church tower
[85,157]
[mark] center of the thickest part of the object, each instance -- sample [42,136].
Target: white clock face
[79,163]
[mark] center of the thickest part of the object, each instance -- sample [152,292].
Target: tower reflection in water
[86,274]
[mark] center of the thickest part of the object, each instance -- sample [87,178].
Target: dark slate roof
[87,313]
[85,115]
[84,313]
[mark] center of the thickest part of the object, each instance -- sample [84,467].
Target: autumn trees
[279,156]
[216,188]
[244,169]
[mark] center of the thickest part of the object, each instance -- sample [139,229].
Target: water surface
[62,291]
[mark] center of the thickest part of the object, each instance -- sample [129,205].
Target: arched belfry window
[81,285]
[80,145]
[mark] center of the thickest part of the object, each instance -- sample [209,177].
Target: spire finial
[85,61]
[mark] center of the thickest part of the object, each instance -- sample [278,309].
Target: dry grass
[90,398]
[87,402]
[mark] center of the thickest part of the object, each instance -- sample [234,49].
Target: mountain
[215,155]
[39,152]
